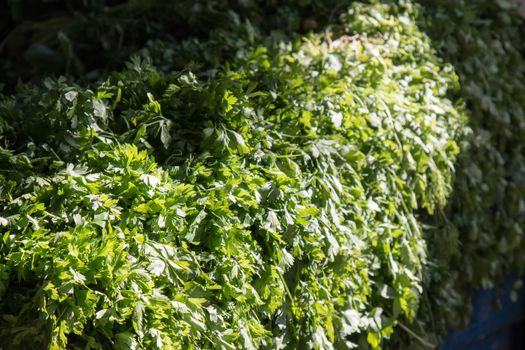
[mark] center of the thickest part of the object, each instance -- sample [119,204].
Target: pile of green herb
[238,185]
[481,229]
[281,212]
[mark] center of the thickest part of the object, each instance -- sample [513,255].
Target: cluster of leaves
[271,201]
[482,228]
[86,39]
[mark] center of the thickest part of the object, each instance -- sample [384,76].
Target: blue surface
[491,328]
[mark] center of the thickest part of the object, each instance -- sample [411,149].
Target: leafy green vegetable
[252,188]
[478,238]
[283,214]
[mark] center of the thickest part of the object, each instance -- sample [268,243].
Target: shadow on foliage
[477,239]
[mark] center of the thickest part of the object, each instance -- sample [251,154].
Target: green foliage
[283,212]
[488,55]
[481,229]
[239,185]
[86,39]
